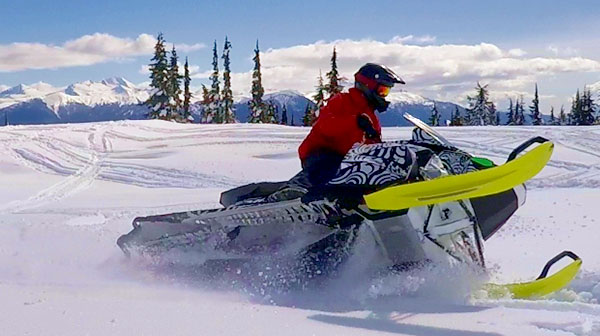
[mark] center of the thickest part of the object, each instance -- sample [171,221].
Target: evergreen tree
[497,117]
[434,119]
[159,99]
[481,110]
[333,87]
[576,110]
[511,113]
[257,106]
[456,119]
[309,116]
[205,102]
[553,120]
[212,109]
[319,96]
[270,114]
[174,87]
[284,117]
[187,95]
[519,108]
[562,117]
[6,118]
[227,109]
[588,108]
[534,108]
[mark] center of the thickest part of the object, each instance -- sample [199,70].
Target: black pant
[321,167]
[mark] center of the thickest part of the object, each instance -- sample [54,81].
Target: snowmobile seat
[252,190]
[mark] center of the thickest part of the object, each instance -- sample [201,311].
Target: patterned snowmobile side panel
[215,229]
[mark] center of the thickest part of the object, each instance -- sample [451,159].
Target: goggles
[383,91]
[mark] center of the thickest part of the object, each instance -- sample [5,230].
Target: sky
[440,48]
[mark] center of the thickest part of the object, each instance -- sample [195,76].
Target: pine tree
[292,123]
[309,116]
[511,113]
[456,119]
[227,109]
[333,87]
[481,110]
[519,108]
[319,96]
[576,110]
[6,118]
[159,99]
[270,114]
[497,113]
[205,102]
[174,87]
[562,117]
[588,108]
[257,106]
[434,119]
[187,95]
[492,116]
[284,117]
[534,108]
[553,120]
[212,109]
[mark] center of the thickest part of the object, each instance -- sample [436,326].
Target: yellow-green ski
[543,285]
[456,187]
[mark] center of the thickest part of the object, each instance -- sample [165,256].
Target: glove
[364,123]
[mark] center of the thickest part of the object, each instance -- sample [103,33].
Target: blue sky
[523,30]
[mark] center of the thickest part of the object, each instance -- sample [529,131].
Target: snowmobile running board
[541,286]
[458,187]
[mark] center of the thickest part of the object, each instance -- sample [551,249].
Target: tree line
[482,111]
[166,103]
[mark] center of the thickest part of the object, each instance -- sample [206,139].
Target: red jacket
[336,128]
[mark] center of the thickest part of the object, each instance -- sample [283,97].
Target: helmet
[375,81]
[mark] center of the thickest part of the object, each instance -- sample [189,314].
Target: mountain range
[118,99]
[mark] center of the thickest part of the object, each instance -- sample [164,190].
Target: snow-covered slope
[68,191]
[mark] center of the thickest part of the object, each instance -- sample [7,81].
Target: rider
[347,119]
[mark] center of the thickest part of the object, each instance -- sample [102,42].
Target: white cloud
[85,50]
[517,52]
[182,47]
[562,51]
[447,71]
[425,39]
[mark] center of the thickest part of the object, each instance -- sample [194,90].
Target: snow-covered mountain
[294,101]
[595,88]
[118,99]
[109,91]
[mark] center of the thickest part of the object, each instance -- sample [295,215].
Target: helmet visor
[383,91]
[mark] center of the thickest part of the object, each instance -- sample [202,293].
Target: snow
[69,191]
[404,97]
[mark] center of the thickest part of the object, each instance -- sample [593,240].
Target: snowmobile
[423,200]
